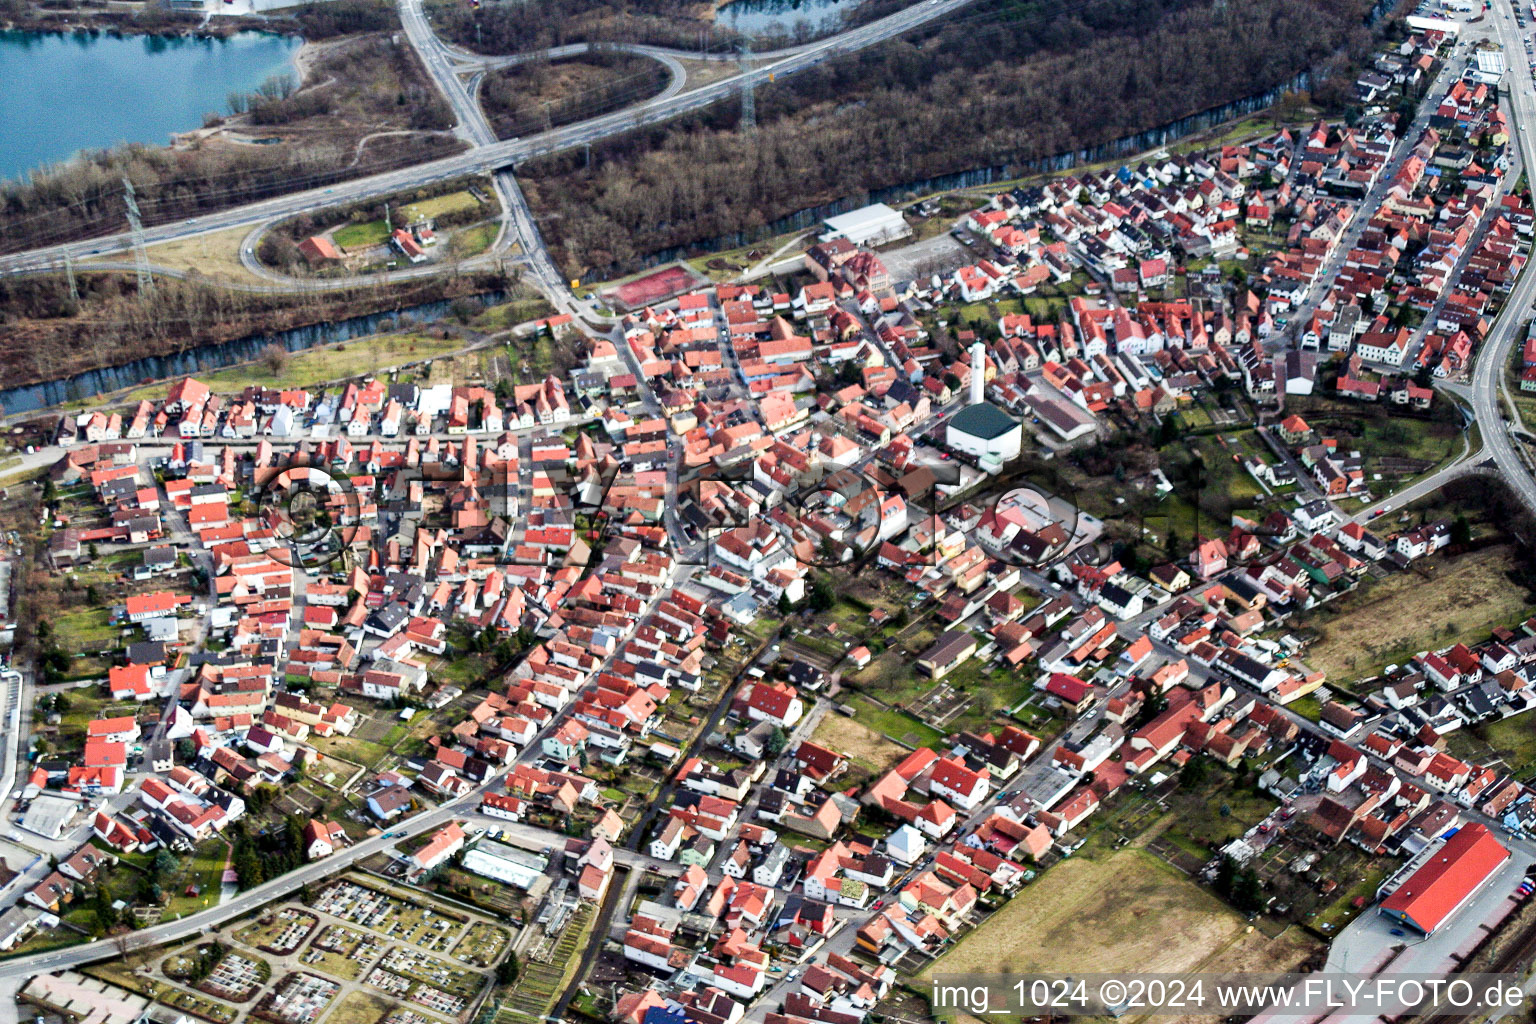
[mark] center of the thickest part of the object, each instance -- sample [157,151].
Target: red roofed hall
[1447,880]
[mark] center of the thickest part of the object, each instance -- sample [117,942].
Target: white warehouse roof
[871,224]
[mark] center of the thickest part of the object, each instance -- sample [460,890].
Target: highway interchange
[491,155]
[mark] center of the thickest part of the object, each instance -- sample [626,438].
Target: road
[1485,393]
[494,155]
[1363,212]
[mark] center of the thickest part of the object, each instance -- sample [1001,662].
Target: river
[30,398]
[64,93]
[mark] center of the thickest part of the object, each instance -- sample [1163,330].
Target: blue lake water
[63,93]
[784,17]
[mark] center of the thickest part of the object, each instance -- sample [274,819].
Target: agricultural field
[1437,603]
[1114,911]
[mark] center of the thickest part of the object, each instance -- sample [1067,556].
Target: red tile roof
[1432,892]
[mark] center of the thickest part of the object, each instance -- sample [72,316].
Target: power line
[140,252]
[748,98]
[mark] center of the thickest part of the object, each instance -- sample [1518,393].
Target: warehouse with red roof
[1447,880]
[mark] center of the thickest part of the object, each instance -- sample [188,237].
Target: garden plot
[941,705]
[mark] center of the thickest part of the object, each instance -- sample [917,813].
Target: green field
[316,365]
[476,239]
[205,869]
[1511,740]
[81,630]
[895,724]
[510,314]
[361,236]
[439,206]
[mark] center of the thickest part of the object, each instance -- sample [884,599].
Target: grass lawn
[82,707]
[216,254]
[510,314]
[1387,621]
[1409,438]
[315,366]
[361,236]
[1511,740]
[732,262]
[895,724]
[477,238]
[439,206]
[349,748]
[1216,811]
[1308,707]
[1111,911]
[1342,910]
[532,357]
[206,871]
[361,1008]
[81,630]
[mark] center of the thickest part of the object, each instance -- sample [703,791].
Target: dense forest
[510,26]
[366,107]
[541,95]
[1007,81]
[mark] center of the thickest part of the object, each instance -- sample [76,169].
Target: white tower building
[978,373]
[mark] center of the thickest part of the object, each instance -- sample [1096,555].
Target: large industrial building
[1446,879]
[869,225]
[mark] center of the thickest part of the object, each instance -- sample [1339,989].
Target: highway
[1488,373]
[493,155]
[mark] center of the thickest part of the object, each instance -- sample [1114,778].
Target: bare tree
[275,358]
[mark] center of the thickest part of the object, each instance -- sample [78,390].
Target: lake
[784,17]
[64,93]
